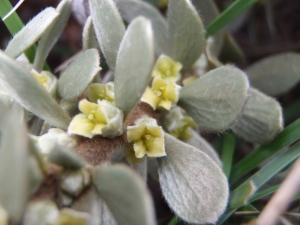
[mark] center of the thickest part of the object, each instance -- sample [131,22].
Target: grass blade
[227,152]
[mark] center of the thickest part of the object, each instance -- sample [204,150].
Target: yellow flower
[102,118]
[148,138]
[102,92]
[161,94]
[167,69]
[47,80]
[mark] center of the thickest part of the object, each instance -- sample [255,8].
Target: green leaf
[227,153]
[109,29]
[79,74]
[52,34]
[231,51]
[216,99]
[134,64]
[130,9]
[193,185]
[23,87]
[289,135]
[31,32]
[88,36]
[186,32]
[14,164]
[133,207]
[276,74]
[260,120]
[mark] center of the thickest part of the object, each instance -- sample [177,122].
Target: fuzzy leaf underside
[109,29]
[216,99]
[79,74]
[88,36]
[193,185]
[14,164]
[260,120]
[29,34]
[276,74]
[128,207]
[51,35]
[186,32]
[130,9]
[134,64]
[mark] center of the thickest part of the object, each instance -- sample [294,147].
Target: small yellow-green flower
[102,92]
[162,93]
[179,124]
[102,118]
[167,69]
[147,138]
[47,80]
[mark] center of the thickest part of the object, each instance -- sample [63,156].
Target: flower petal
[86,107]
[135,133]
[81,125]
[139,148]
[151,98]
[155,147]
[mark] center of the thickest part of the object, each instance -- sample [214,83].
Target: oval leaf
[133,207]
[79,74]
[216,99]
[130,9]
[134,64]
[22,86]
[260,120]
[52,34]
[186,32]
[275,75]
[88,35]
[109,28]
[31,32]
[192,183]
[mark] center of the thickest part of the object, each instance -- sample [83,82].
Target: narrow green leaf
[109,28]
[265,174]
[79,74]
[193,185]
[232,12]
[14,164]
[22,86]
[134,64]
[216,99]
[173,221]
[227,153]
[282,69]
[130,9]
[263,193]
[31,32]
[289,135]
[186,32]
[88,35]
[50,37]
[133,207]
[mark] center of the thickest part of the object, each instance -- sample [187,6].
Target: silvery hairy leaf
[14,164]
[276,74]
[81,10]
[208,11]
[260,120]
[29,34]
[193,185]
[130,9]
[88,36]
[79,74]
[186,32]
[133,207]
[216,99]
[134,64]
[200,143]
[51,35]
[109,28]
[23,87]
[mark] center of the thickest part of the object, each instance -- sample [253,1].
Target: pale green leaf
[130,9]
[79,74]
[14,165]
[31,32]
[276,74]
[132,207]
[193,185]
[134,64]
[50,37]
[23,87]
[216,99]
[109,28]
[88,35]
[186,32]
[260,120]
